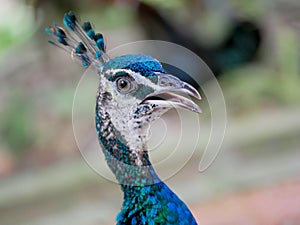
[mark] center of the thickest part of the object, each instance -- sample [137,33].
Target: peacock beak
[168,93]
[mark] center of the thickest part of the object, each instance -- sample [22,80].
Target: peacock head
[134,90]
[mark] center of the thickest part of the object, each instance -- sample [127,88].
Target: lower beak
[167,95]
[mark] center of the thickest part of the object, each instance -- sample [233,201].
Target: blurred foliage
[261,86]
[111,17]
[16,125]
[61,101]
[251,8]
[15,29]
[175,4]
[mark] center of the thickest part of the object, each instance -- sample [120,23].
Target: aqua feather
[99,41]
[70,20]
[90,49]
[86,26]
[80,49]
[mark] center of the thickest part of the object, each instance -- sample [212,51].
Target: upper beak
[168,86]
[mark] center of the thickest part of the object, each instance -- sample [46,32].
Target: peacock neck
[146,199]
[131,168]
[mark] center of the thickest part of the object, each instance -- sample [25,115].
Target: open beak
[167,94]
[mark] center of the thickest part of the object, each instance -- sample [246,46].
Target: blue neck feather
[147,200]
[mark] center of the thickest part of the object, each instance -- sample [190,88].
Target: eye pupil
[123,84]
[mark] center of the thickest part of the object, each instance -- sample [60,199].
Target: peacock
[134,91]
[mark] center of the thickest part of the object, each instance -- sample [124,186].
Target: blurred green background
[44,179]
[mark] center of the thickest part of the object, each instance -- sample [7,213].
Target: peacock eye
[124,85]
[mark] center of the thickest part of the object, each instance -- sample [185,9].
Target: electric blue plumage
[145,65]
[132,79]
[153,204]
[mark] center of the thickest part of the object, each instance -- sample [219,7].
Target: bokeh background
[251,46]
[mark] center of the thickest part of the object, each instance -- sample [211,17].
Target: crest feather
[81,42]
